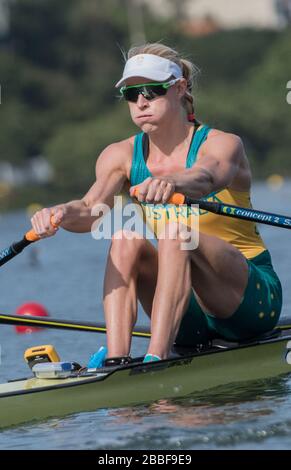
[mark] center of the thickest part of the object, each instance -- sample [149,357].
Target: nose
[142,101]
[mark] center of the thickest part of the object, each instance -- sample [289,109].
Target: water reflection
[223,405]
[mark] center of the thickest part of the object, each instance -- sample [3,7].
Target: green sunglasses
[148,90]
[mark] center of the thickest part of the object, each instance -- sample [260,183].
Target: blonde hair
[189,70]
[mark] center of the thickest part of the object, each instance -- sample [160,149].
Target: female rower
[226,287]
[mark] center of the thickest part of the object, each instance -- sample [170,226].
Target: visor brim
[149,75]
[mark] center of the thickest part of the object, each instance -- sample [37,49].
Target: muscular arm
[217,168]
[110,178]
[222,164]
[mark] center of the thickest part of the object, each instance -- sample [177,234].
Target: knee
[176,235]
[126,245]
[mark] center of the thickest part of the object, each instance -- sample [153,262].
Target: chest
[166,166]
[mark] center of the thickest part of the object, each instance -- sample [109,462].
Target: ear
[182,87]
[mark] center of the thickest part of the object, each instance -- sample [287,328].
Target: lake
[65,274]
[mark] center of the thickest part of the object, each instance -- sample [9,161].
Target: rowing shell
[34,399]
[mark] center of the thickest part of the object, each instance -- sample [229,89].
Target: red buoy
[33,309]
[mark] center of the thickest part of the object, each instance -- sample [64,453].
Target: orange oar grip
[176,198]
[31,236]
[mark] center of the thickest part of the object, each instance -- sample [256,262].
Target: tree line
[60,60]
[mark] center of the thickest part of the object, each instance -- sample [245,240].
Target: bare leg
[219,276]
[217,271]
[131,272]
[171,297]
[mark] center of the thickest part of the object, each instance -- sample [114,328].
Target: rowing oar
[60,324]
[17,247]
[228,210]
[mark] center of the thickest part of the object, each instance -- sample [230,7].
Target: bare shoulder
[116,156]
[224,143]
[229,149]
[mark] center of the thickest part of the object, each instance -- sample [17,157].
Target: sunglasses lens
[149,92]
[159,90]
[131,94]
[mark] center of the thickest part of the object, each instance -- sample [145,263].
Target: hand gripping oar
[229,210]
[218,208]
[17,247]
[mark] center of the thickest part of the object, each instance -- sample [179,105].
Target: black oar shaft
[6,255]
[242,213]
[43,322]
[16,248]
[228,210]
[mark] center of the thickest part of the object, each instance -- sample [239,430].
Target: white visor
[150,66]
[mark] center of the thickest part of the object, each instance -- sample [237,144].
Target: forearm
[194,183]
[78,217]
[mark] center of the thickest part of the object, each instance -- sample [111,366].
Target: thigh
[219,274]
[147,276]
[259,310]
[132,257]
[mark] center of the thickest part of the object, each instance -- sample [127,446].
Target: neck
[173,134]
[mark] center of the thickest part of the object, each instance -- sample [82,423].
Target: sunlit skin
[162,278]
[155,117]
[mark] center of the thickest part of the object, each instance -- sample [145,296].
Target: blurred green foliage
[59,63]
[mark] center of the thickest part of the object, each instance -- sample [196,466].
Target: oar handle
[31,236]
[228,210]
[179,199]
[176,198]
[17,247]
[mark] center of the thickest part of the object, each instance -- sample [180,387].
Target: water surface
[65,274]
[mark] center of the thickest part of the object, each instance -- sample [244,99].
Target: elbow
[207,182]
[87,206]
[87,203]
